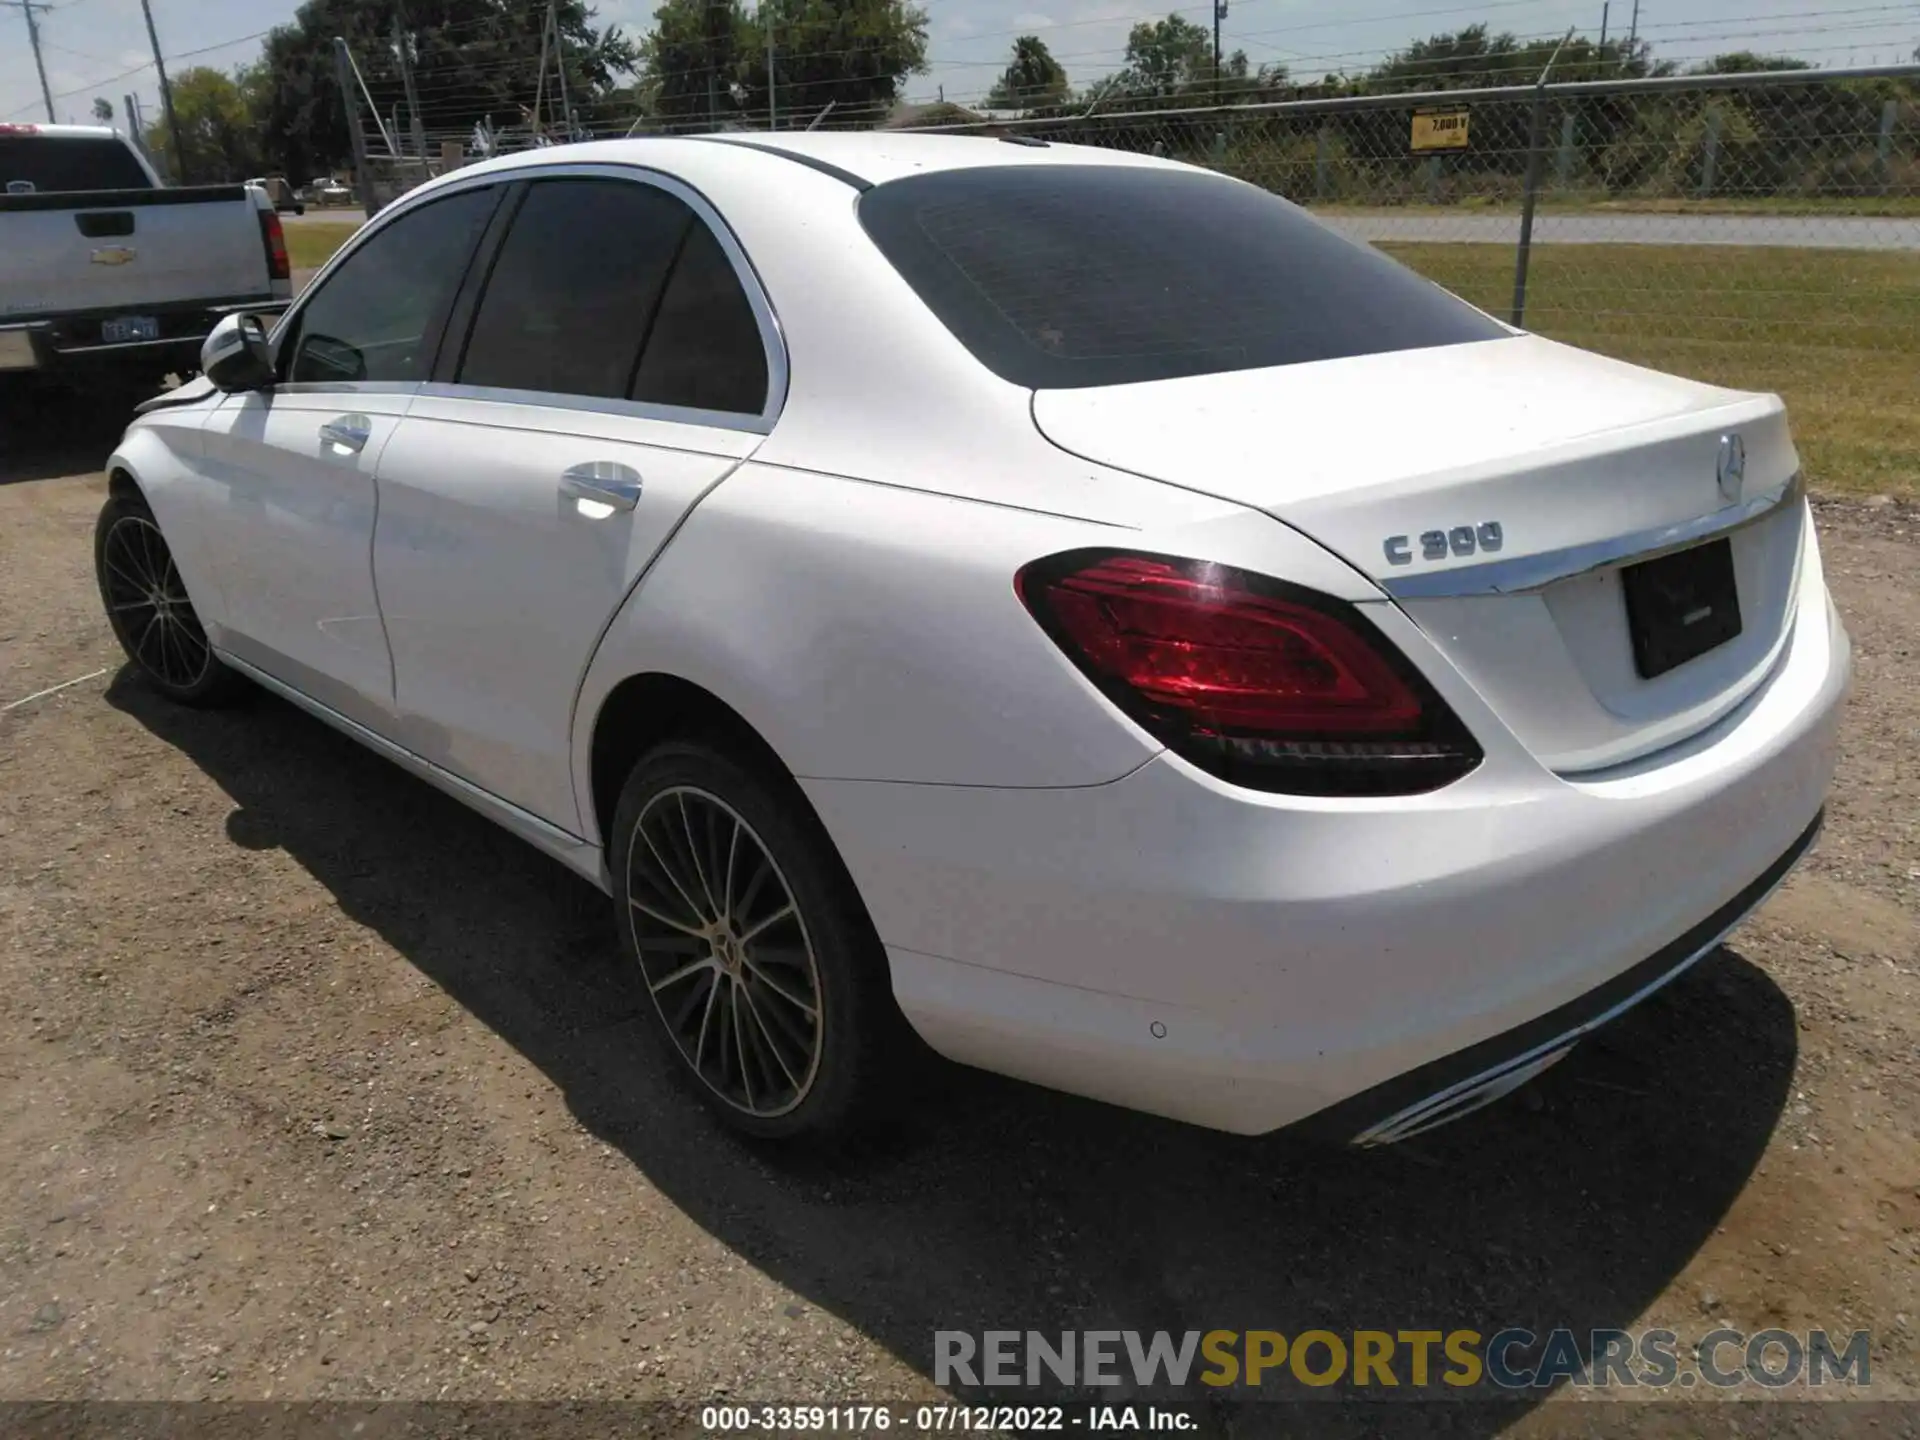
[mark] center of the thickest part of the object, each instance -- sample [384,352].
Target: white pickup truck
[110,279]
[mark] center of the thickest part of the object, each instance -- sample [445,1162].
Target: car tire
[785,1025]
[150,612]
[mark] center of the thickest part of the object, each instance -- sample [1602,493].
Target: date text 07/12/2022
[940,1419]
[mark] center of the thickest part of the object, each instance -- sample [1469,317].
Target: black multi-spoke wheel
[760,962]
[148,606]
[724,950]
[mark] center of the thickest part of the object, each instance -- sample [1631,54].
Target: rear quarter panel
[867,632]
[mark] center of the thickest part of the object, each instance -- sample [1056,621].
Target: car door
[619,363]
[293,465]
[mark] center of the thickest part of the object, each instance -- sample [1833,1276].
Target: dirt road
[312,1084]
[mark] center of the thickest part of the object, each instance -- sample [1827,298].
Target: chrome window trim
[1526,573]
[772,339]
[348,387]
[599,405]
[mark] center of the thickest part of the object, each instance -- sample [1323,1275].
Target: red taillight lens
[1257,681]
[275,239]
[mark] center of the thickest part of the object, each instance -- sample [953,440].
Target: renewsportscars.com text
[1510,1359]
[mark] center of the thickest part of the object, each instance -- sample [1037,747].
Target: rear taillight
[275,239]
[1259,682]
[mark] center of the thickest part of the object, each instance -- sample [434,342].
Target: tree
[103,109]
[706,60]
[1170,62]
[1166,56]
[1032,78]
[692,60]
[1748,62]
[472,60]
[1473,57]
[851,54]
[216,131]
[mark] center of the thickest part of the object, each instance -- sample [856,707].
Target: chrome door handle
[604,481]
[349,432]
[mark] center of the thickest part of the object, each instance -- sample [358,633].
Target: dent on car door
[601,391]
[296,462]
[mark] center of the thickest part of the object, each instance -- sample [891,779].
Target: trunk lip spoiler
[1526,573]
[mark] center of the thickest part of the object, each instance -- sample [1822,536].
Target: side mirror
[236,355]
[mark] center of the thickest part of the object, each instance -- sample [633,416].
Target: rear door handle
[349,432]
[604,481]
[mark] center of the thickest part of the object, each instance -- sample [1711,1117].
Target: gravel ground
[314,1085]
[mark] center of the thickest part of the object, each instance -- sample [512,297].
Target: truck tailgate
[120,250]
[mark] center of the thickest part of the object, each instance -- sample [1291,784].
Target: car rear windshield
[1062,276]
[40,164]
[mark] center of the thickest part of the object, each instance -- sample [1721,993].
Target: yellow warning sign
[1440,130]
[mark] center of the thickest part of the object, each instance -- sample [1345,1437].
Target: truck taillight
[19,129]
[275,239]
[1259,682]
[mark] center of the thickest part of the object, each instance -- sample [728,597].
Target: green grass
[311,244]
[1836,333]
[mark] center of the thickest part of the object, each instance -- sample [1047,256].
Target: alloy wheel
[725,951]
[148,606]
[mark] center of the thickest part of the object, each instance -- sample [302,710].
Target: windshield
[40,164]
[1062,276]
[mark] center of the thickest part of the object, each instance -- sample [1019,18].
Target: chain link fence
[1760,230]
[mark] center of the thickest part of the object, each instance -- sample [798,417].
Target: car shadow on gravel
[1008,1207]
[48,433]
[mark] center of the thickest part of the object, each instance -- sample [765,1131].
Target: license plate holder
[125,329]
[1680,606]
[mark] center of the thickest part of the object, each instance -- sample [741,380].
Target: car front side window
[377,316]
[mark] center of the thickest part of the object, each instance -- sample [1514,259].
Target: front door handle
[349,432]
[604,482]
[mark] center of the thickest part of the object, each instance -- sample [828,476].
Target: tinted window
[378,315]
[1058,276]
[575,288]
[40,163]
[705,349]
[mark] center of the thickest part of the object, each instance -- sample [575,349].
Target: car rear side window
[1062,276]
[616,289]
[378,315]
[45,164]
[575,288]
[705,350]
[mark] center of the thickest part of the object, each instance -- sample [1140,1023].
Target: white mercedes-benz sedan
[1065,605]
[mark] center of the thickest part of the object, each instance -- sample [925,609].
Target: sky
[99,47]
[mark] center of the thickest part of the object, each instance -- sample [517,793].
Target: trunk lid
[1581,465]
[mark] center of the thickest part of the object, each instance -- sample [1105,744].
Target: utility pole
[1219,14]
[166,97]
[418,126]
[560,64]
[773,83]
[1603,28]
[39,63]
[540,80]
[1633,30]
[350,100]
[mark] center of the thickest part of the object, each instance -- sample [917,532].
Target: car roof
[882,155]
[862,157]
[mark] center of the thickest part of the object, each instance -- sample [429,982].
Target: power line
[27,7]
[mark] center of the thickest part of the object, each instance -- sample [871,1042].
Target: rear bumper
[71,346]
[1245,961]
